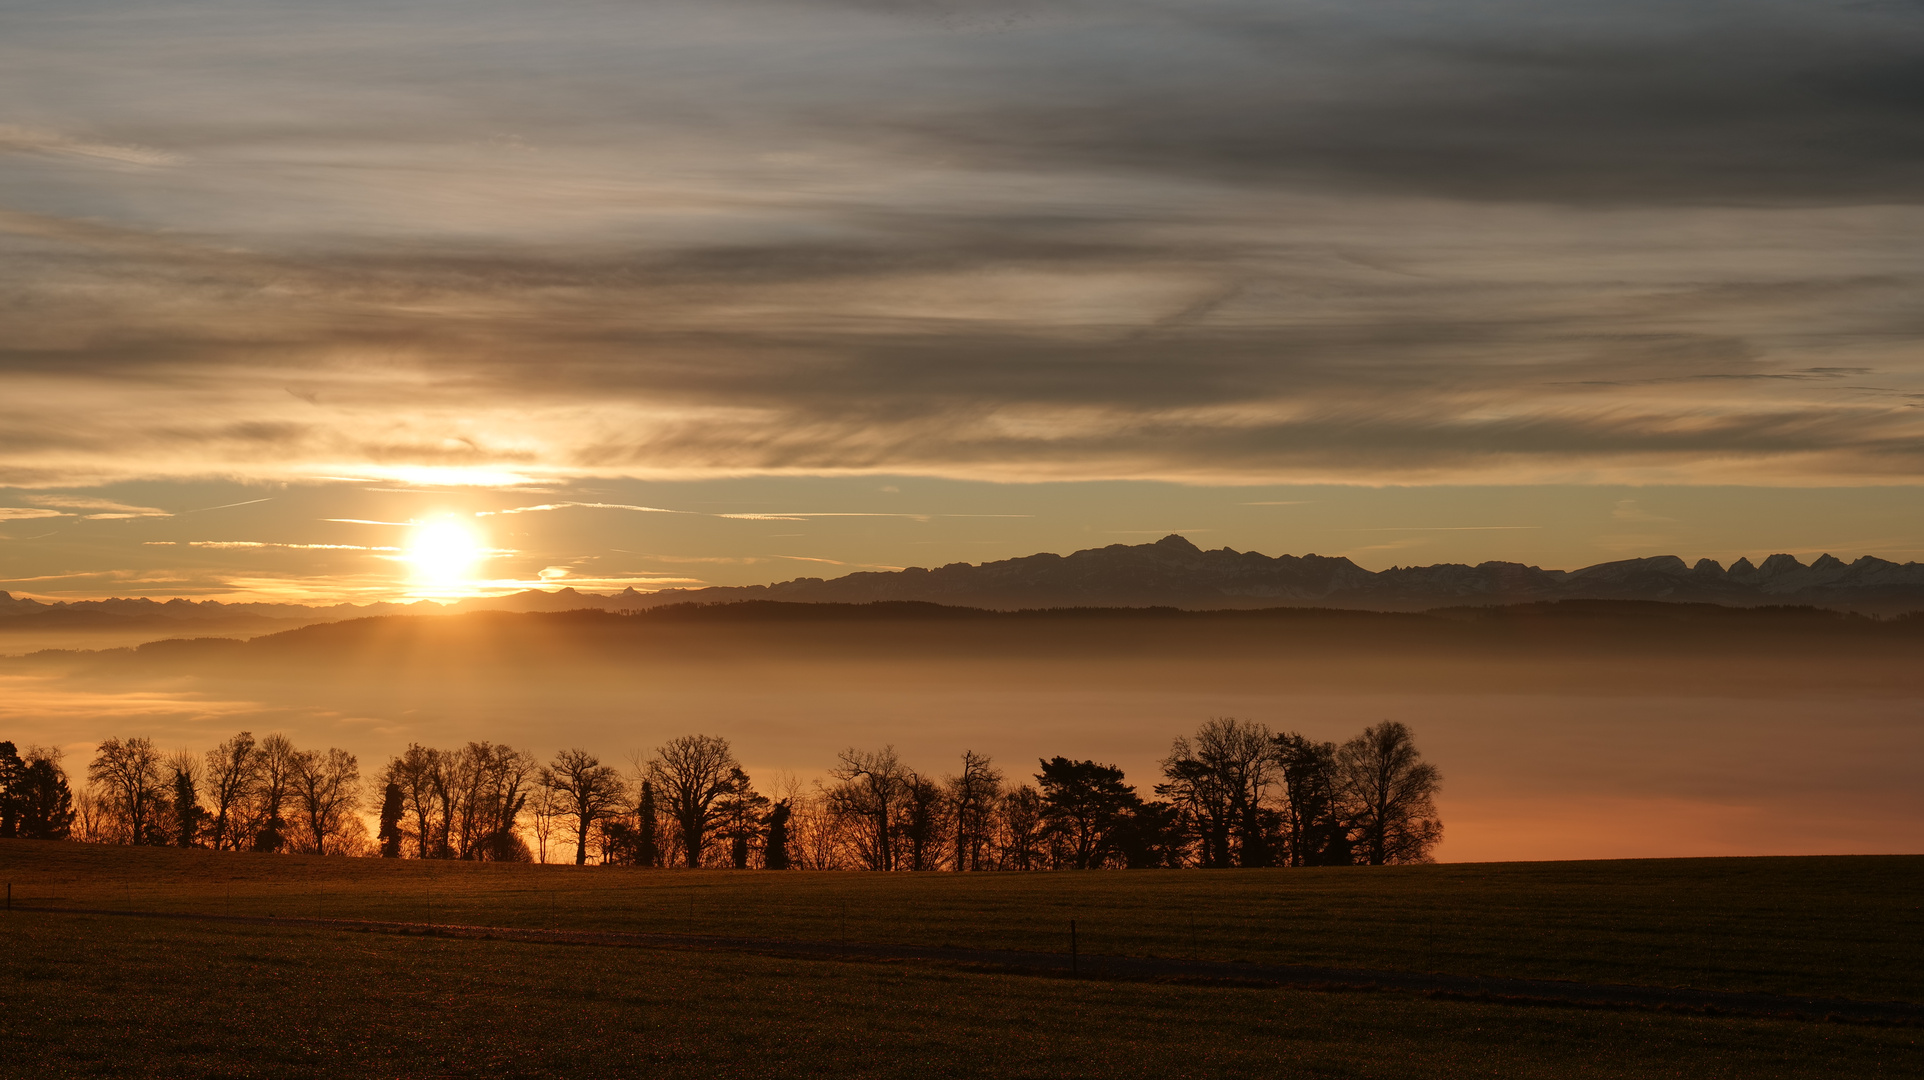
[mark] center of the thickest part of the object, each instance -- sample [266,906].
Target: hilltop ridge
[1175,572]
[1171,572]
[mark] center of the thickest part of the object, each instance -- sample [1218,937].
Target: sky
[299,299]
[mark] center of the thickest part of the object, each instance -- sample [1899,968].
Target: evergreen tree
[12,772]
[273,834]
[647,844]
[1085,802]
[45,802]
[187,811]
[391,807]
[739,811]
[775,857]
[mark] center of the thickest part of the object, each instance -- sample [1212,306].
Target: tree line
[1232,794]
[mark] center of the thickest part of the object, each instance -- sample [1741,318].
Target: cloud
[24,140]
[1631,102]
[1629,510]
[1224,240]
[27,513]
[584,505]
[243,544]
[104,509]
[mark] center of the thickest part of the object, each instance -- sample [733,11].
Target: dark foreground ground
[113,995]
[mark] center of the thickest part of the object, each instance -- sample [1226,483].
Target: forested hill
[548,659]
[759,631]
[1174,572]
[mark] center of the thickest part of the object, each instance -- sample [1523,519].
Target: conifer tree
[391,807]
[44,801]
[12,772]
[647,844]
[775,855]
[187,811]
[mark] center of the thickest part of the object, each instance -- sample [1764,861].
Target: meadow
[244,1000]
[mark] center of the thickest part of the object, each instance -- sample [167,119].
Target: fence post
[1073,959]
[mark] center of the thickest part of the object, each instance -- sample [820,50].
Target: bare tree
[417,771]
[814,832]
[544,813]
[1316,821]
[972,797]
[486,788]
[588,790]
[1393,791]
[278,759]
[92,823]
[1218,780]
[129,773]
[328,788]
[1021,829]
[693,773]
[871,785]
[233,770]
[924,821]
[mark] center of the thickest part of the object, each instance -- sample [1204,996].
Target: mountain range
[1171,572]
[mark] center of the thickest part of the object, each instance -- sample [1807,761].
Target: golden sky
[1527,280]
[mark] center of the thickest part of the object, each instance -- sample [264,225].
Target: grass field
[98,995]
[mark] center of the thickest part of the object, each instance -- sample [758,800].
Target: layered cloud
[1215,241]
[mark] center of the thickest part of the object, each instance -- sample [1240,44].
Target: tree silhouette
[1316,823]
[417,772]
[233,771]
[740,813]
[130,772]
[1151,835]
[647,842]
[693,773]
[187,811]
[972,797]
[1021,825]
[1218,780]
[488,789]
[328,787]
[871,784]
[775,853]
[1392,789]
[392,807]
[1085,802]
[43,799]
[277,760]
[590,791]
[13,772]
[923,806]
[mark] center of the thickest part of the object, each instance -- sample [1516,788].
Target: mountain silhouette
[1172,572]
[1176,573]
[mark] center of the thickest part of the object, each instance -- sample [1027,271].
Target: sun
[444,554]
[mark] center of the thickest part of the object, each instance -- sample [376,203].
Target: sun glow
[444,555]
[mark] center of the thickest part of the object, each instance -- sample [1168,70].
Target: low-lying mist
[1562,731]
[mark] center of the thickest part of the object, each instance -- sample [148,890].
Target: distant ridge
[1172,572]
